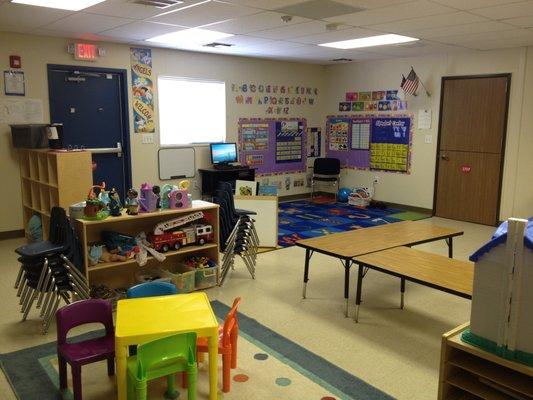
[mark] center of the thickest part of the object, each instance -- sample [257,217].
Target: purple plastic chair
[87,351]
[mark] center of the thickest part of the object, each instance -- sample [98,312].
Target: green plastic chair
[163,357]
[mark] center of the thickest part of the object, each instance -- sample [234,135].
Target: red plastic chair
[227,344]
[88,351]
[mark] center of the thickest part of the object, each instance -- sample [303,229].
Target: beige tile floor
[394,350]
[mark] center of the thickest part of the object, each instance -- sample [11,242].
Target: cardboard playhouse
[501,319]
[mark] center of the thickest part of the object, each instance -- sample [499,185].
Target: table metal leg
[358,293]
[449,241]
[306,271]
[212,346]
[402,290]
[347,265]
[121,354]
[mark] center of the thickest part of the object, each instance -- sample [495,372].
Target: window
[191,111]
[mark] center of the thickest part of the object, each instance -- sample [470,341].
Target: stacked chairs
[237,232]
[47,273]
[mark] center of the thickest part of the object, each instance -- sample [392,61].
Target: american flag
[410,84]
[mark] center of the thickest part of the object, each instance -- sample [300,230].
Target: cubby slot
[35,196]
[52,169]
[24,164]
[34,165]
[54,197]
[26,192]
[470,383]
[43,167]
[45,199]
[46,226]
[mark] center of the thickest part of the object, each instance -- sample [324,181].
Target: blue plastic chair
[151,289]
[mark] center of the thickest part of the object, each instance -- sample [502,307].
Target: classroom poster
[314,141]
[254,137]
[389,148]
[360,134]
[142,90]
[289,135]
[338,134]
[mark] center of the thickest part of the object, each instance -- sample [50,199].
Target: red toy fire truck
[168,235]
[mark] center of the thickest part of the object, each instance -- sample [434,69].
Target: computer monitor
[223,153]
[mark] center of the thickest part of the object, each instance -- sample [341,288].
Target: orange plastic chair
[227,345]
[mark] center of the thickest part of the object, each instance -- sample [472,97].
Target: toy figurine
[131,202]
[165,193]
[157,191]
[114,203]
[148,199]
[94,208]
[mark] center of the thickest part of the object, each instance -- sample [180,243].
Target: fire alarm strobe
[15,62]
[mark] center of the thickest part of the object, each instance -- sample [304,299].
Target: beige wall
[36,52]
[417,188]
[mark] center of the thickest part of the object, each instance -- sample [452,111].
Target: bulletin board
[273,146]
[377,142]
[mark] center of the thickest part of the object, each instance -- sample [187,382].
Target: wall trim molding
[19,233]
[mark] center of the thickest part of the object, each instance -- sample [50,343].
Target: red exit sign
[85,51]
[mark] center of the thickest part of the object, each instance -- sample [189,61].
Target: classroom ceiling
[443,26]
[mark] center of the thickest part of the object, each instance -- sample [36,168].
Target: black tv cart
[211,176]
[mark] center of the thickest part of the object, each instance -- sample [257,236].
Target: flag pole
[422,83]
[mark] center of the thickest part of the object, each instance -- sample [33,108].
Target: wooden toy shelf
[467,372]
[51,179]
[122,274]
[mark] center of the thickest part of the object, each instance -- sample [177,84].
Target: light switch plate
[147,138]
[428,139]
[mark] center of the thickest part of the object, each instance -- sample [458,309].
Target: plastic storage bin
[206,277]
[183,278]
[29,136]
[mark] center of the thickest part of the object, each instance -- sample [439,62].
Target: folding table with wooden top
[432,270]
[347,245]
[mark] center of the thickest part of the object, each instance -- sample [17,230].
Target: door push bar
[108,150]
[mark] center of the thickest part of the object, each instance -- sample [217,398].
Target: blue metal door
[91,103]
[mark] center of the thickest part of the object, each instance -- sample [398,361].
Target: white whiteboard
[266,220]
[176,163]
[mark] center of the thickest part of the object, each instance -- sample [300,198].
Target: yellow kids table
[144,319]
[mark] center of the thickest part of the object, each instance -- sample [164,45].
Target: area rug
[305,219]
[270,367]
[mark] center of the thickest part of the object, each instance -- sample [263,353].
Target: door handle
[108,150]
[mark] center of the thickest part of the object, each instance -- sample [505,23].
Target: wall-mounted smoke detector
[217,44]
[161,4]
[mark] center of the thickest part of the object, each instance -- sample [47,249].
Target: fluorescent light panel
[189,37]
[72,5]
[369,41]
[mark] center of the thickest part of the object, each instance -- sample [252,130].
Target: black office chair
[326,170]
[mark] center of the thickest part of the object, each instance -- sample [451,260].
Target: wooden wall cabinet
[51,179]
[468,372]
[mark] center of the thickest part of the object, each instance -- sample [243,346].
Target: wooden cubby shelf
[49,179]
[122,274]
[467,372]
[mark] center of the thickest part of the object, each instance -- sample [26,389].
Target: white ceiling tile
[505,11]
[471,4]
[29,16]
[414,9]
[432,21]
[500,43]
[72,35]
[418,49]
[296,30]
[466,29]
[523,22]
[369,4]
[14,28]
[141,30]
[86,23]
[245,41]
[266,4]
[255,22]
[335,36]
[501,36]
[127,9]
[205,13]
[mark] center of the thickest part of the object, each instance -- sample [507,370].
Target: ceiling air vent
[162,4]
[342,59]
[217,44]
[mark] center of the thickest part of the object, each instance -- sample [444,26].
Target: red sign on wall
[466,169]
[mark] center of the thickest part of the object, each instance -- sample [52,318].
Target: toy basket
[183,278]
[360,197]
[206,277]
